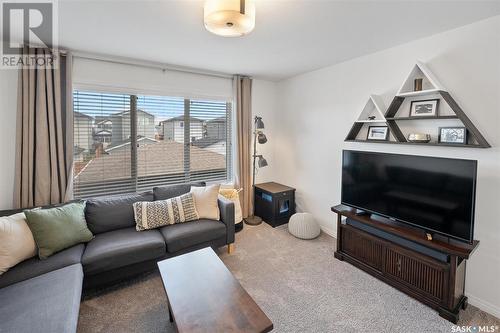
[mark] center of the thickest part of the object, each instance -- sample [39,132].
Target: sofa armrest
[226,208]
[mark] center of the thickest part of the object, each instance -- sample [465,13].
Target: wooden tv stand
[438,283]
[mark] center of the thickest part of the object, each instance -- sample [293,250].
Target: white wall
[264,104]
[123,78]
[8,107]
[317,110]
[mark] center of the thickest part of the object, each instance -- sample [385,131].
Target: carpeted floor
[299,285]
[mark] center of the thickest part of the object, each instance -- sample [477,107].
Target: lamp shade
[229,18]
[259,124]
[261,137]
[262,162]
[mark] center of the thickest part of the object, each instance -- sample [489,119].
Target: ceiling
[291,37]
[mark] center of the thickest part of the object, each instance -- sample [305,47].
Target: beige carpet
[299,285]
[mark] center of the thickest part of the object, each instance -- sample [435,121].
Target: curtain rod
[147,64]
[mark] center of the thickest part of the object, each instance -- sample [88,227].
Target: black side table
[274,203]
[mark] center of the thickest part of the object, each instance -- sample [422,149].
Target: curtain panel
[243,104]
[44,140]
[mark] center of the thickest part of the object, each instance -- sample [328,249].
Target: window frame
[135,93]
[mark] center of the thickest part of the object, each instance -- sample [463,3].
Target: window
[129,143]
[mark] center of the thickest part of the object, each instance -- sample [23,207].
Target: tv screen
[436,194]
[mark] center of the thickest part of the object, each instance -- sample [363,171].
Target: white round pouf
[303,225]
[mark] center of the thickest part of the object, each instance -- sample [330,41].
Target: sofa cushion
[170,191]
[120,248]
[34,266]
[184,235]
[114,212]
[58,228]
[46,303]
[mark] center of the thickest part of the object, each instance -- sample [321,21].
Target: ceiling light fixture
[229,18]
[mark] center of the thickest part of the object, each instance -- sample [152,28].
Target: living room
[250,166]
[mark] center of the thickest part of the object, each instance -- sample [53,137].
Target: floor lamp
[258,136]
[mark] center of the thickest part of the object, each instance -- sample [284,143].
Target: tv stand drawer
[362,247]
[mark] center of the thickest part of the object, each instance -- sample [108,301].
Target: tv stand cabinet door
[424,275]
[362,247]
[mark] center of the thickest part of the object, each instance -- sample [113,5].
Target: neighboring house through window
[129,143]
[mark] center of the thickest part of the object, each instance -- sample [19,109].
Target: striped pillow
[155,214]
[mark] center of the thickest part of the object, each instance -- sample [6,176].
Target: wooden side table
[274,203]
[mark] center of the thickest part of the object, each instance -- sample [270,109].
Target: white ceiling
[290,37]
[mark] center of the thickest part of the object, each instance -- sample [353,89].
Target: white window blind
[129,143]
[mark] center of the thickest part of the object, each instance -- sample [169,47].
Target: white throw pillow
[16,241]
[206,201]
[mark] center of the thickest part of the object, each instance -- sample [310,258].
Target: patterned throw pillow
[155,214]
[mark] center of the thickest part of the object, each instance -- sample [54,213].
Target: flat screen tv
[435,194]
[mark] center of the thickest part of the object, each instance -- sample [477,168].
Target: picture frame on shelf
[424,108]
[378,133]
[453,135]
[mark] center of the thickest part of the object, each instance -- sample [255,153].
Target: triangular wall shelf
[430,84]
[431,88]
[374,107]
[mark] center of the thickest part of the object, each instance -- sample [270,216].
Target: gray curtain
[243,103]
[44,142]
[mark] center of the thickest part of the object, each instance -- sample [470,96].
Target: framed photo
[456,135]
[427,108]
[378,133]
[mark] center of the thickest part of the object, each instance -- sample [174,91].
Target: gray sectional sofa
[44,295]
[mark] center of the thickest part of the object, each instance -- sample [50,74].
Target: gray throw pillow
[58,228]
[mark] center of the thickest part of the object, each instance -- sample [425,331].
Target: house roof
[128,111]
[205,142]
[181,118]
[163,158]
[127,142]
[221,119]
[77,114]
[103,133]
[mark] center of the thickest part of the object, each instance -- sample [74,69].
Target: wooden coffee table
[203,296]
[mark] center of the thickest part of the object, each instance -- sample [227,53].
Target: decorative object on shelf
[373,112]
[453,135]
[229,18]
[424,108]
[303,226]
[430,87]
[259,136]
[274,202]
[418,84]
[378,133]
[419,138]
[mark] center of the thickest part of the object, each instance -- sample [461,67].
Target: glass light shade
[226,17]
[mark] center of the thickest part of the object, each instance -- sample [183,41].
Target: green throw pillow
[58,228]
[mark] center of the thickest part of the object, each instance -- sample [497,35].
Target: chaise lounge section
[49,290]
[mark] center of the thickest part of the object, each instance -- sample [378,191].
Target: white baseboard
[485,306]
[329,231]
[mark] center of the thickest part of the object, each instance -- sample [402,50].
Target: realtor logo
[30,23]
